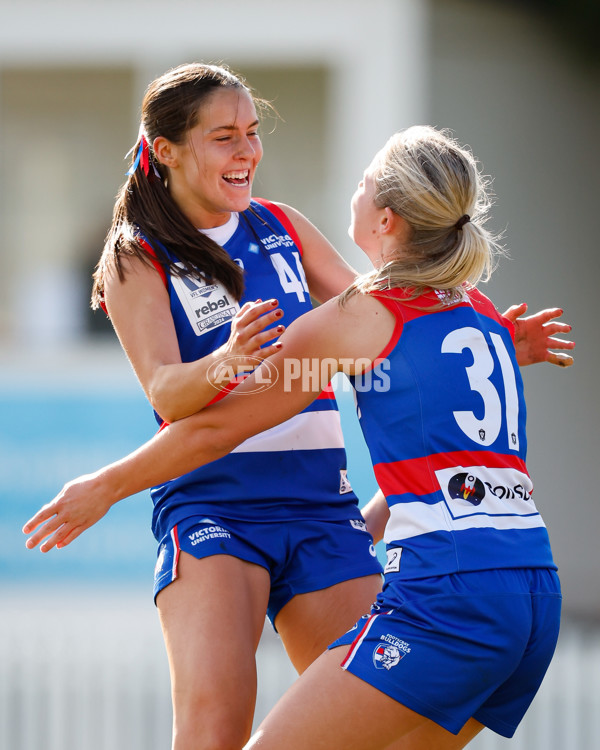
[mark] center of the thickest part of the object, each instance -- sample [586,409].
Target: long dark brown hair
[170,108]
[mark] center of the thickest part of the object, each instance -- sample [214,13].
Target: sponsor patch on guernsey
[492,491]
[207,305]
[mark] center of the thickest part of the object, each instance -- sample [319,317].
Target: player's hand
[248,335]
[79,505]
[535,336]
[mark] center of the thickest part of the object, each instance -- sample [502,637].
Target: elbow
[223,440]
[165,403]
[166,412]
[205,440]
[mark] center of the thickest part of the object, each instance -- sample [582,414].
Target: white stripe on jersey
[412,519]
[358,642]
[311,430]
[176,549]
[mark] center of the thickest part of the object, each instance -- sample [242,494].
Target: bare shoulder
[305,228]
[360,327]
[134,272]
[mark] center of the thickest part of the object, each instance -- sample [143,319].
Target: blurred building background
[517,81]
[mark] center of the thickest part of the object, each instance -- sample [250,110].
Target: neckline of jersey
[225,232]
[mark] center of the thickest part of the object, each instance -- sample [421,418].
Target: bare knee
[206,727]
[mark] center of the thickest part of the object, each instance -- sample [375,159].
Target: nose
[248,148]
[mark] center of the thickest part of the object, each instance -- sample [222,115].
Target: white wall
[513,89]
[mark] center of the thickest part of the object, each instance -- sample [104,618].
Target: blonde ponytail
[426,177]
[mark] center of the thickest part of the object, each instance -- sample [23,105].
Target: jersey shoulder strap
[284,219]
[159,267]
[150,250]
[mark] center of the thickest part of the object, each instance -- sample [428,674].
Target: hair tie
[462,221]
[142,157]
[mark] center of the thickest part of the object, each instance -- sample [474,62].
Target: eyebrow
[233,127]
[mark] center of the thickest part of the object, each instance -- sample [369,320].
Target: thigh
[212,618]
[329,708]
[430,736]
[310,622]
[318,555]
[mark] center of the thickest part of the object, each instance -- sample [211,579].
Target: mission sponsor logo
[492,491]
[467,487]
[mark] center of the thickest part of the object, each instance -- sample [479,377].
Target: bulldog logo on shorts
[386,656]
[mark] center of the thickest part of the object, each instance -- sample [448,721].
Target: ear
[165,151]
[392,224]
[388,221]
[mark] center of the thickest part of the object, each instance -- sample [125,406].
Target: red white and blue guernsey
[444,421]
[296,470]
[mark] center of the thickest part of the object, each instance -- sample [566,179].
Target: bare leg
[434,737]
[310,622]
[329,708]
[212,618]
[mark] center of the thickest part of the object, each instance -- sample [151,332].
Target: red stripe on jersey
[150,250]
[417,475]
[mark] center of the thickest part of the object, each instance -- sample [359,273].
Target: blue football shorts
[301,556]
[465,645]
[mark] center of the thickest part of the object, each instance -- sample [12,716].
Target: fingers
[51,522]
[68,538]
[560,359]
[48,528]
[60,533]
[553,328]
[43,514]
[547,315]
[515,311]
[267,351]
[249,326]
[251,312]
[560,343]
[45,521]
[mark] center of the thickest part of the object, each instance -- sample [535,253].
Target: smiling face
[211,172]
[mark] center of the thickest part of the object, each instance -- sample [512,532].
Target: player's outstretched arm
[320,338]
[535,336]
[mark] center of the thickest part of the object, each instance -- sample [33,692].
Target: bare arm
[140,312]
[326,335]
[376,513]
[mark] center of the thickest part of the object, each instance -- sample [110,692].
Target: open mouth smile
[239,179]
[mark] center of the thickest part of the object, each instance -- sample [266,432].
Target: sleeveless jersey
[443,416]
[294,470]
